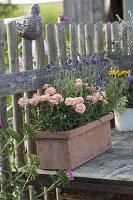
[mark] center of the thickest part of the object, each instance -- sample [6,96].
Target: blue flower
[130,78]
[49,67]
[98,78]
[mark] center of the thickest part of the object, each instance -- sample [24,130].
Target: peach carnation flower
[57,97]
[53,102]
[50,91]
[23,102]
[89,97]
[70,101]
[80,108]
[78,83]
[34,101]
[79,100]
[44,97]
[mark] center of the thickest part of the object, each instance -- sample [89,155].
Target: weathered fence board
[39,51]
[61,45]
[108,38]
[81,39]
[99,39]
[17,111]
[4,166]
[51,42]
[73,41]
[89,37]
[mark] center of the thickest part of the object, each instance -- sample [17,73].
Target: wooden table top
[115,164]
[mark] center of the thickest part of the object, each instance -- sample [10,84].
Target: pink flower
[98,96]
[90,88]
[1,126]
[62,18]
[78,83]
[34,101]
[57,97]
[35,94]
[53,102]
[89,97]
[70,101]
[45,97]
[50,91]
[23,102]
[79,100]
[80,108]
[70,174]
[78,80]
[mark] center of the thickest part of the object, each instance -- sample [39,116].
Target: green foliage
[8,11]
[121,105]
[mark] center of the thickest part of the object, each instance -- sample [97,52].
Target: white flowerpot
[124,122]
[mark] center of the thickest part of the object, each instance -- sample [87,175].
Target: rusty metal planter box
[70,149]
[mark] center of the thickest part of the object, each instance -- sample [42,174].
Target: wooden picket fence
[83,38]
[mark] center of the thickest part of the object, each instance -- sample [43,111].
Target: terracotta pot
[70,149]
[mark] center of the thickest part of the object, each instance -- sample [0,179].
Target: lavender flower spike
[70,174]
[130,78]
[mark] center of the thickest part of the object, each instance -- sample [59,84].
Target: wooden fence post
[115,33]
[39,51]
[4,167]
[99,40]
[61,46]
[51,42]
[73,41]
[81,39]
[89,37]
[108,38]
[27,65]
[17,111]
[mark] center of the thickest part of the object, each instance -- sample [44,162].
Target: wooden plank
[39,51]
[100,187]
[73,41]
[115,33]
[124,41]
[79,8]
[89,37]
[17,111]
[108,38]
[61,46]
[4,166]
[30,80]
[99,39]
[28,65]
[52,45]
[81,39]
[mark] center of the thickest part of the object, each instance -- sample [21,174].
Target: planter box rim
[76,131]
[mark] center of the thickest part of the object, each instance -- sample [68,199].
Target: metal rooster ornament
[30,27]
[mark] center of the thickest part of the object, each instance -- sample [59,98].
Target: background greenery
[49,11]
